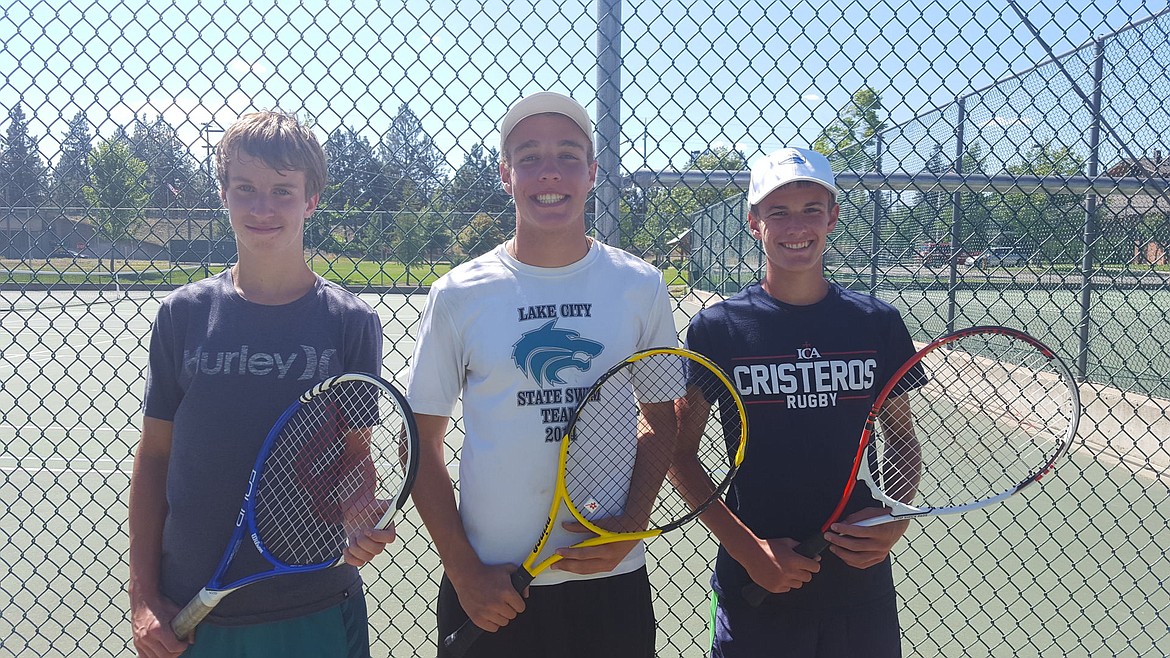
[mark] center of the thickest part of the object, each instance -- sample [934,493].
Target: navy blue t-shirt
[808,376]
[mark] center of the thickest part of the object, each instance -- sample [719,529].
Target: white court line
[60,465]
[36,355]
[66,429]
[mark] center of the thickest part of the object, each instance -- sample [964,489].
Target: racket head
[619,446]
[972,418]
[992,410]
[623,437]
[341,459]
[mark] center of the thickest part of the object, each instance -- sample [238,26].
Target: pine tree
[72,171]
[23,176]
[414,167]
[170,176]
[476,188]
[354,171]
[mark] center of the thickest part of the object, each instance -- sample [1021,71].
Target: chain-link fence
[1038,201]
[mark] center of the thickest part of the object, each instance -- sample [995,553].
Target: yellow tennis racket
[622,441]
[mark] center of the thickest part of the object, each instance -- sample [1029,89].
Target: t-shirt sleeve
[436,368]
[364,344]
[696,336]
[900,349]
[660,330]
[697,340]
[163,393]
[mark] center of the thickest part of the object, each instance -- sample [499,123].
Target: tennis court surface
[1076,563]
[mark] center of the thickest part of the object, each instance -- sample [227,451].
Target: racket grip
[458,642]
[189,617]
[521,579]
[813,546]
[810,548]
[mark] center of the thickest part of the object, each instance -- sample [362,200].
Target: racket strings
[624,439]
[329,473]
[716,437]
[991,414]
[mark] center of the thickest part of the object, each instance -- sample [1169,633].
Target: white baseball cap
[543,102]
[789,165]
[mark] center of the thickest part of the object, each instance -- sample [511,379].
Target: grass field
[350,272]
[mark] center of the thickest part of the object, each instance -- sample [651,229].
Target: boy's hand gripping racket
[619,445]
[339,460]
[969,420]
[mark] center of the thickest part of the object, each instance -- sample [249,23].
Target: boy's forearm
[691,481]
[148,508]
[434,498]
[147,513]
[739,540]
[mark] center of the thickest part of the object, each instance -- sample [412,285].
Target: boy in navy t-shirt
[809,357]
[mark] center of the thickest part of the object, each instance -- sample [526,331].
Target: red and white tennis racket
[969,420]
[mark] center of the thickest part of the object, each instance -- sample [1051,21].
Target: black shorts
[611,617]
[740,631]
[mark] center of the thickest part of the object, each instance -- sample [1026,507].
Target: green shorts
[341,631]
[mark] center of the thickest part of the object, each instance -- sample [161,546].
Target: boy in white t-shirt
[547,311]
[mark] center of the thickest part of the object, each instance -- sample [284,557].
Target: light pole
[208,148]
[207,233]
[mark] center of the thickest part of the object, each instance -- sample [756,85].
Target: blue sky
[695,73]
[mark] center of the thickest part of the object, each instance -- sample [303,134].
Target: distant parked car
[65,252]
[932,254]
[961,256]
[940,254]
[997,257]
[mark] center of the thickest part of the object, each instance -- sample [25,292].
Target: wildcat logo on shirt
[806,379]
[544,352]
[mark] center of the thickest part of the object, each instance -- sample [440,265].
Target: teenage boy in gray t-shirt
[227,355]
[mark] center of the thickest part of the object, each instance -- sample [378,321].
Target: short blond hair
[278,139]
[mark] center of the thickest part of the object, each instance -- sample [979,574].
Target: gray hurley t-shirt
[223,369]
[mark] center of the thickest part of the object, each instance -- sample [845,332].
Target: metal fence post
[607,196]
[956,216]
[1092,229]
[875,238]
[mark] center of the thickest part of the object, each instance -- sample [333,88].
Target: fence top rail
[922,181]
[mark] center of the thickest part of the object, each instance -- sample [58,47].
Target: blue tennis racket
[339,460]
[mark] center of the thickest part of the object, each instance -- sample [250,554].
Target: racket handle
[189,617]
[521,579]
[810,548]
[813,546]
[458,642]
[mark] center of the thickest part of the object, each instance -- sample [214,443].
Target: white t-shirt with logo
[521,344]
